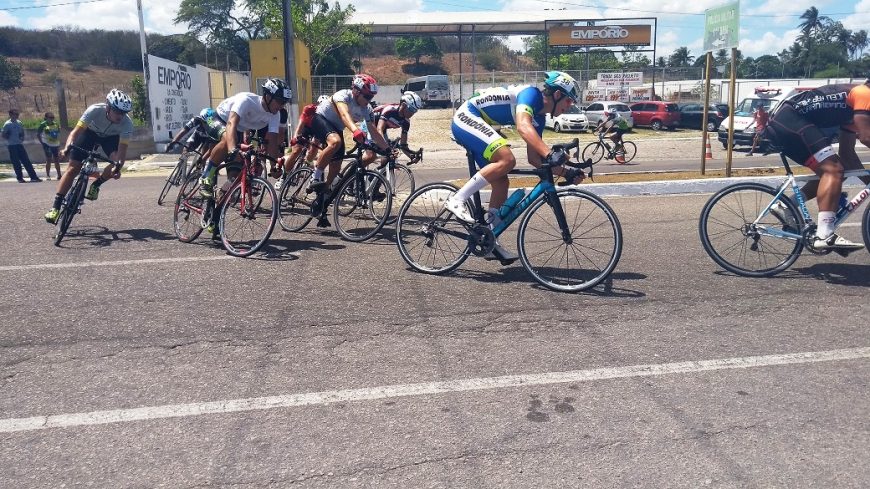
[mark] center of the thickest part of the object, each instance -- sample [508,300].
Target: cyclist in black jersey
[394,116]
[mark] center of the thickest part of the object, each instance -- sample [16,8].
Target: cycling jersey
[50,131]
[473,121]
[826,106]
[96,120]
[252,115]
[330,113]
[392,117]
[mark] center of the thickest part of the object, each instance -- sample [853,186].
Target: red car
[656,115]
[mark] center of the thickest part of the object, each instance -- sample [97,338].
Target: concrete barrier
[141,143]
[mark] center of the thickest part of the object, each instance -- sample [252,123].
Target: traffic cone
[709,154]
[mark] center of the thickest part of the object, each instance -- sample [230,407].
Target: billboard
[620,79]
[721,27]
[176,93]
[601,35]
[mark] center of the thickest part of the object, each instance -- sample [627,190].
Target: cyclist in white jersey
[524,107]
[245,112]
[105,125]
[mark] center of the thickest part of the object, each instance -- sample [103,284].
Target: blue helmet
[563,82]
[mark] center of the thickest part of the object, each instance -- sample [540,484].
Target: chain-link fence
[35,100]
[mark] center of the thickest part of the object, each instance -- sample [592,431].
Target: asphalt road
[129,359]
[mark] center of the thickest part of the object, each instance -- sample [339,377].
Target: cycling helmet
[412,101]
[366,84]
[119,101]
[277,88]
[563,82]
[322,98]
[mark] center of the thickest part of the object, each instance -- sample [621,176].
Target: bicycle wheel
[295,206]
[174,178]
[739,246]
[865,228]
[583,258]
[402,183]
[593,151]
[362,206]
[189,206]
[630,150]
[69,208]
[430,239]
[247,221]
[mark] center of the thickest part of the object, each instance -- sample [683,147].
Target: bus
[433,89]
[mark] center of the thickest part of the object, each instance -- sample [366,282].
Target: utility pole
[144,49]
[290,61]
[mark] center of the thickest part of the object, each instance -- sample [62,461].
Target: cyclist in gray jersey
[105,125]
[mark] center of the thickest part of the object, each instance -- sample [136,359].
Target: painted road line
[422,389]
[84,264]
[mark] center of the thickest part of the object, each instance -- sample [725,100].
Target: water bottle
[511,202]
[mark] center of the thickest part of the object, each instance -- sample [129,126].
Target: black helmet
[277,88]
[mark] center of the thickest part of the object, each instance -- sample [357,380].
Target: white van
[744,113]
[433,89]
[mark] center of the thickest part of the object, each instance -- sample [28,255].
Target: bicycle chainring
[481,239]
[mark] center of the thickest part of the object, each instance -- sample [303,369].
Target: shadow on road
[838,273]
[285,249]
[519,274]
[91,236]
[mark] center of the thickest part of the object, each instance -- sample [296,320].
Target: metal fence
[35,100]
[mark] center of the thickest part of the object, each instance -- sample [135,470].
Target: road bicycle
[596,150]
[756,230]
[74,198]
[360,199]
[400,177]
[247,207]
[568,239]
[191,157]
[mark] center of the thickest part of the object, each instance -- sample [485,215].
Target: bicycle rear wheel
[362,206]
[402,183]
[630,150]
[739,246]
[173,179]
[189,206]
[430,239]
[865,228]
[593,151]
[295,204]
[70,208]
[247,221]
[580,258]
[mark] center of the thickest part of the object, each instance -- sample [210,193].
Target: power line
[51,5]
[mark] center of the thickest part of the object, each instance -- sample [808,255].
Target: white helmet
[412,101]
[322,98]
[119,101]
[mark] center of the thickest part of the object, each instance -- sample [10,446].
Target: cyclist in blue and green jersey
[524,107]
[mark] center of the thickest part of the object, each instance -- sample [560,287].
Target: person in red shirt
[762,116]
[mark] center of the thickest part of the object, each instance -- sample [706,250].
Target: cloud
[7,19]
[768,43]
[110,15]
[861,18]
[386,6]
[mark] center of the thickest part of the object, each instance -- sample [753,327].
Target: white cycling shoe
[502,254]
[459,209]
[835,243]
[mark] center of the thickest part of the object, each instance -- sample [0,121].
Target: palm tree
[812,21]
[681,57]
[858,43]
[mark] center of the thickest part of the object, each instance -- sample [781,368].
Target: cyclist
[798,125]
[614,126]
[106,125]
[242,112]
[201,122]
[394,116]
[345,109]
[48,134]
[301,139]
[524,107]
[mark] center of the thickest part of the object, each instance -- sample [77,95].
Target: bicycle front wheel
[630,150]
[430,239]
[295,206]
[574,258]
[401,180]
[593,151]
[248,218]
[70,208]
[739,246]
[189,205]
[362,206]
[865,228]
[174,178]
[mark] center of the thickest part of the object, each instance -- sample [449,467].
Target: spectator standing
[760,119]
[13,133]
[48,133]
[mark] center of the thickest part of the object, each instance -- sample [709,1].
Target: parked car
[692,115]
[723,109]
[571,120]
[595,112]
[656,114]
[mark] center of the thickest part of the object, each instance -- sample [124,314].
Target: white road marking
[144,261]
[427,388]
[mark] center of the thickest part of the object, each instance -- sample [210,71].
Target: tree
[858,43]
[140,99]
[10,75]
[812,22]
[224,23]
[680,57]
[415,47]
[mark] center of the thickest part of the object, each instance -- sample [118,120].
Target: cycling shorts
[89,140]
[799,139]
[321,128]
[476,135]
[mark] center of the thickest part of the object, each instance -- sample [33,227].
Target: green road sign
[721,27]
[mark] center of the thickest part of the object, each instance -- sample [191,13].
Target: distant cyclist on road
[614,126]
[525,108]
[797,125]
[106,125]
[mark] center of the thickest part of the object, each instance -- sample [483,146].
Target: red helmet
[366,84]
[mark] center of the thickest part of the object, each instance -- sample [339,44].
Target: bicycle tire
[189,206]
[236,240]
[430,239]
[403,186]
[359,214]
[595,244]
[630,150]
[593,151]
[865,228]
[294,211]
[172,179]
[734,243]
[69,208]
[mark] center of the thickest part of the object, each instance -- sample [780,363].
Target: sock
[98,182]
[318,174]
[476,183]
[826,224]
[58,200]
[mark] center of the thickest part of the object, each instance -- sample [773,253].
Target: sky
[766,26]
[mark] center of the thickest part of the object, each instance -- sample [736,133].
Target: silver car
[571,120]
[596,110]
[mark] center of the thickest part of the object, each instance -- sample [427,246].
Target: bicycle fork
[553,201]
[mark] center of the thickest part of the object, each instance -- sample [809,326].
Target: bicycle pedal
[323,223]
